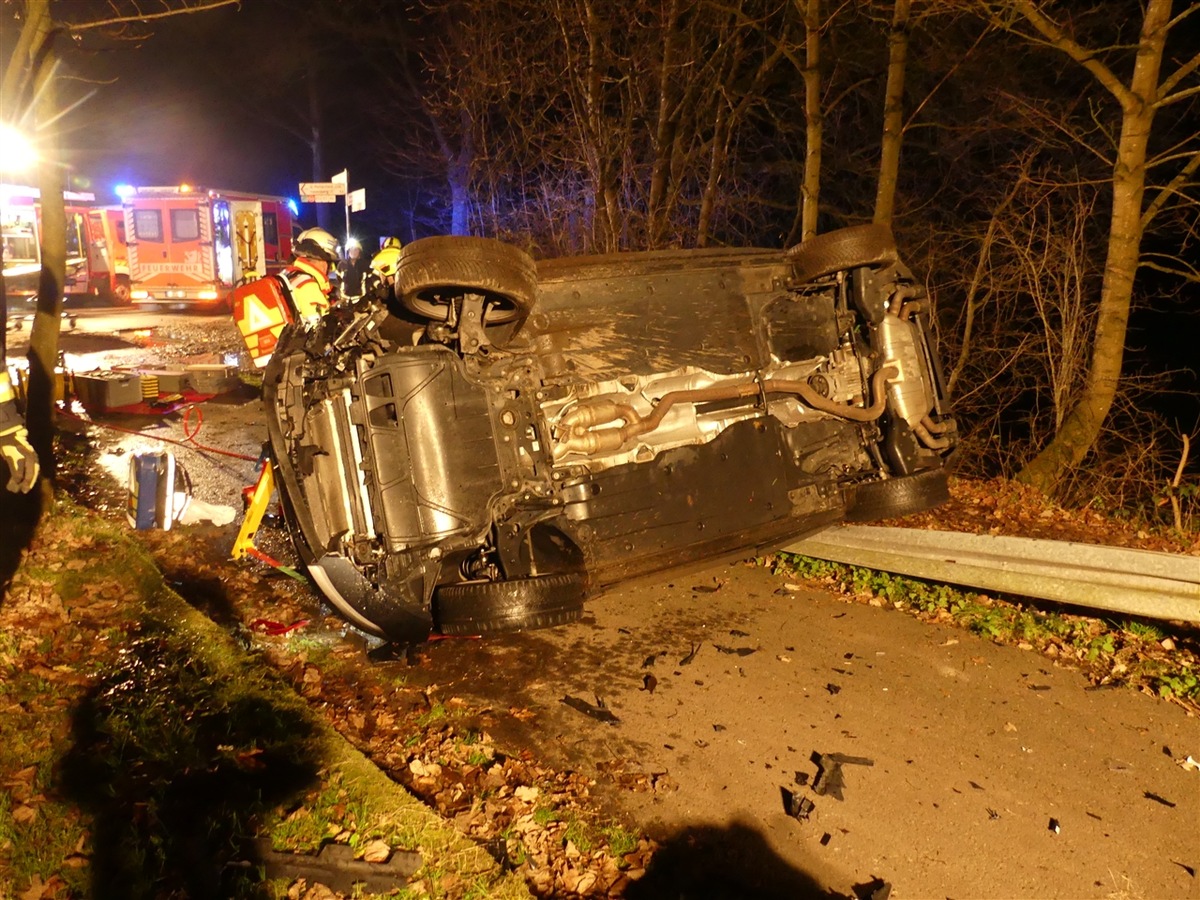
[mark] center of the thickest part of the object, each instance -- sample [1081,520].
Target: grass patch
[154,749]
[1130,652]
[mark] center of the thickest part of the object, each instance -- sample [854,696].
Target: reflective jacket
[308,289]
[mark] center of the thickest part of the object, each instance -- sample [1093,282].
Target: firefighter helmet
[390,242]
[316,243]
[385,262]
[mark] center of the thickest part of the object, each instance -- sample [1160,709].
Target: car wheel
[122,291]
[434,270]
[896,497]
[846,248]
[495,607]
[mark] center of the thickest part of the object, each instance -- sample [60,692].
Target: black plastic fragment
[1039,687]
[599,712]
[1150,795]
[1054,826]
[825,839]
[649,683]
[802,778]
[733,632]
[830,780]
[394,652]
[688,659]
[875,889]
[796,806]
[649,660]
[736,651]
[833,688]
[1189,869]
[718,727]
[1167,752]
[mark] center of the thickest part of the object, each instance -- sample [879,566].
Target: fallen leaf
[376,851]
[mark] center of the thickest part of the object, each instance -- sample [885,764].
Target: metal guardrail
[1131,582]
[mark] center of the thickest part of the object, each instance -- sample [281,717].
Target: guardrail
[1131,582]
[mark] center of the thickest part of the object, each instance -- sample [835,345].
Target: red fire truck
[93,253]
[191,246]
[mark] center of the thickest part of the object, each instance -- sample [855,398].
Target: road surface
[994,773]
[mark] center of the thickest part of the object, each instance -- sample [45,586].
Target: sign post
[342,180]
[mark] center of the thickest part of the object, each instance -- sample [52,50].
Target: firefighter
[18,455]
[307,278]
[383,270]
[390,243]
[353,271]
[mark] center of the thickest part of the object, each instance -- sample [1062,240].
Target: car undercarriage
[494,440]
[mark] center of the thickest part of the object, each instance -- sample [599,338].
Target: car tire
[504,274]
[895,497]
[496,607]
[846,248]
[122,291]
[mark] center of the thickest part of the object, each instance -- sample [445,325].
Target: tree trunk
[893,115]
[813,122]
[43,338]
[1082,425]
[324,210]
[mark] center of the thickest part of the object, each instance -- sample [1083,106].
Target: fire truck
[192,246]
[94,249]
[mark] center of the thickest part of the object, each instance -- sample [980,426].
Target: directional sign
[357,200]
[320,191]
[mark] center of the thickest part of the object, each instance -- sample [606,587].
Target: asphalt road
[977,750]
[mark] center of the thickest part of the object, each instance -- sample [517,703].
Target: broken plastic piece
[796,806]
[1054,826]
[830,781]
[875,889]
[599,712]
[687,659]
[649,683]
[736,651]
[1150,795]
[833,688]
[825,839]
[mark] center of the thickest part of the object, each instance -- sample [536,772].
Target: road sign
[320,191]
[357,200]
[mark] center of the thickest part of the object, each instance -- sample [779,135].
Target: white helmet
[316,243]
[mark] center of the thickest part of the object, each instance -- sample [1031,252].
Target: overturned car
[503,436]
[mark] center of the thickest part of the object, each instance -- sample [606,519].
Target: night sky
[196,102]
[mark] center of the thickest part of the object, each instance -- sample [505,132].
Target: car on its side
[502,437]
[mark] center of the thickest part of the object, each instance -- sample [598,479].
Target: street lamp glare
[16,151]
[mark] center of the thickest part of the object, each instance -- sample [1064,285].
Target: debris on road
[649,683]
[833,688]
[733,632]
[600,712]
[1054,826]
[992,814]
[796,806]
[706,588]
[736,651]
[688,659]
[1189,869]
[802,778]
[875,889]
[825,838]
[1150,795]
[830,781]
[649,660]
[271,627]
[1188,764]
